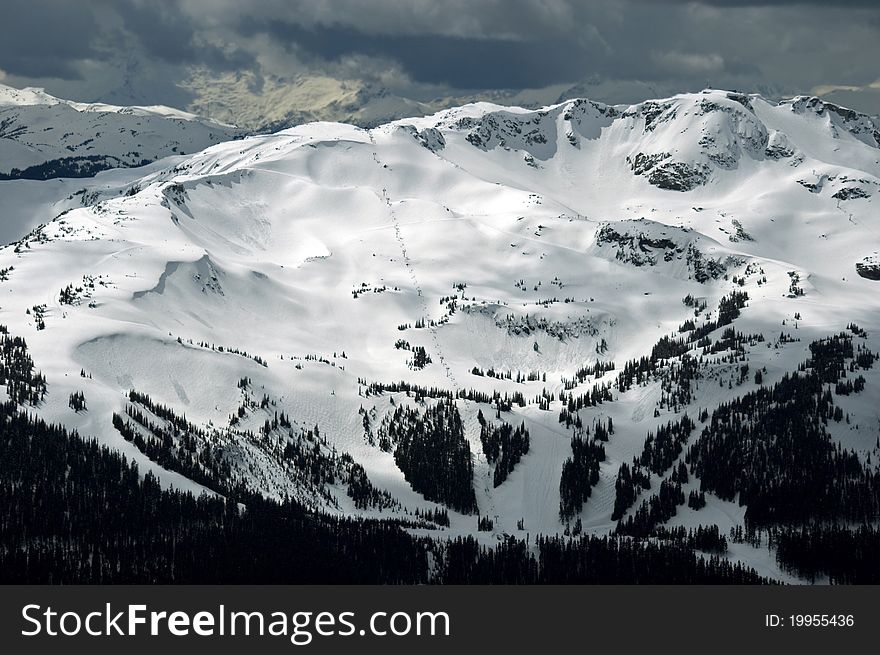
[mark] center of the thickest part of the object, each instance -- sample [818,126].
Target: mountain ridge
[43,137]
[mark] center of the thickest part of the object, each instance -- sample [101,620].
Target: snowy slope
[525,241]
[43,137]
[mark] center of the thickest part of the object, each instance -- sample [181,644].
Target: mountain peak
[26,96]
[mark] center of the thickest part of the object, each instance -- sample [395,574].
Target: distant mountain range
[42,136]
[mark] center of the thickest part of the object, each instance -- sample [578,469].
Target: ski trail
[407,262]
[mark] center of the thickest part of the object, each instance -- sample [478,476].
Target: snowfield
[496,238]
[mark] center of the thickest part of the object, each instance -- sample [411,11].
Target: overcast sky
[144,51]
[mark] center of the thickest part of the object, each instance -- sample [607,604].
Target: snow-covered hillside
[44,137]
[351,317]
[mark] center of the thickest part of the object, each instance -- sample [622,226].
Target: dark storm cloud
[52,38]
[44,38]
[163,30]
[524,50]
[449,46]
[459,62]
[169,34]
[774,3]
[517,44]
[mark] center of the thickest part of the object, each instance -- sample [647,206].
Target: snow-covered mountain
[44,137]
[487,311]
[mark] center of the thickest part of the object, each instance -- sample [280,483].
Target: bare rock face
[859,125]
[869,267]
[646,243]
[669,175]
[687,139]
[679,176]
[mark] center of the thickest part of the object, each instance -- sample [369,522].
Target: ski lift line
[851,218]
[408,265]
